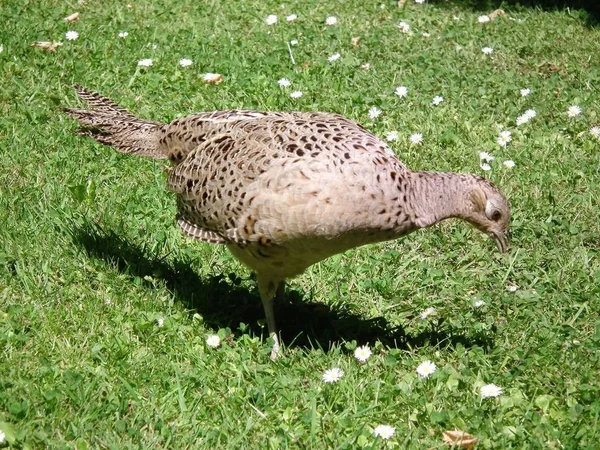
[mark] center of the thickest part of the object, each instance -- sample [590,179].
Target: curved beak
[501,241]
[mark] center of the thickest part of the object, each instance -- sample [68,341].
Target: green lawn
[91,260]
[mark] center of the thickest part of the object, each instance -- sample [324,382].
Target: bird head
[490,212]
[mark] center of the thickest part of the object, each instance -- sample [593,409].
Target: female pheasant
[284,190]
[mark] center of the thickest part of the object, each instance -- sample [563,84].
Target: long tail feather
[110,124]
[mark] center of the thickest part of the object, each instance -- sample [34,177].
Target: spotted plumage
[284,190]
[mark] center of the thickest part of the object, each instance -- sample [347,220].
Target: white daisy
[404,27]
[485,166]
[487,50]
[294,42]
[479,303]
[573,111]
[416,138]
[365,66]
[391,136]
[213,341]
[490,390]
[145,62]
[160,322]
[184,62]
[595,131]
[291,17]
[425,369]
[483,19]
[525,92]
[521,120]
[426,35]
[2,435]
[420,2]
[284,82]
[331,20]
[271,19]
[512,288]
[71,35]
[123,34]
[374,112]
[154,46]
[458,48]
[401,91]
[362,353]
[333,375]
[437,100]
[509,164]
[530,114]
[485,156]
[504,138]
[384,431]
[427,312]
[334,57]
[296,94]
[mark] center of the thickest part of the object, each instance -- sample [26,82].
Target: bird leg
[270,291]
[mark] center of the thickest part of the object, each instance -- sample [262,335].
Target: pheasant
[285,190]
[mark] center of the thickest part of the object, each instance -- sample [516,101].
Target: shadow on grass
[224,304]
[591,7]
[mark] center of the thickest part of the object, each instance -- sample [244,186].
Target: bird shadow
[224,303]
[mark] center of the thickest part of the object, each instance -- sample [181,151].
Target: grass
[90,257]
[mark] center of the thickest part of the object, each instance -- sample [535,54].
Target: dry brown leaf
[51,47]
[355,41]
[72,18]
[496,13]
[212,78]
[458,438]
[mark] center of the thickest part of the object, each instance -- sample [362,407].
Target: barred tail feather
[112,125]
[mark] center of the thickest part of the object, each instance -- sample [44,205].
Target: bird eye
[496,215]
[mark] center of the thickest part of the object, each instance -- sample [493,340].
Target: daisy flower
[487,50]
[391,136]
[426,35]
[123,34]
[296,94]
[291,17]
[595,131]
[490,390]
[334,57]
[416,138]
[512,288]
[284,82]
[530,114]
[333,375]
[573,111]
[425,369]
[525,92]
[362,353]
[271,19]
[404,27]
[504,138]
[521,120]
[2,435]
[479,303]
[331,20]
[384,431]
[485,156]
[401,91]
[145,62]
[509,164]
[160,322]
[294,42]
[485,166]
[71,35]
[374,112]
[184,62]
[437,100]
[427,312]
[213,341]
[483,19]
[420,2]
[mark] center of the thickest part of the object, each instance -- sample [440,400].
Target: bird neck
[435,196]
